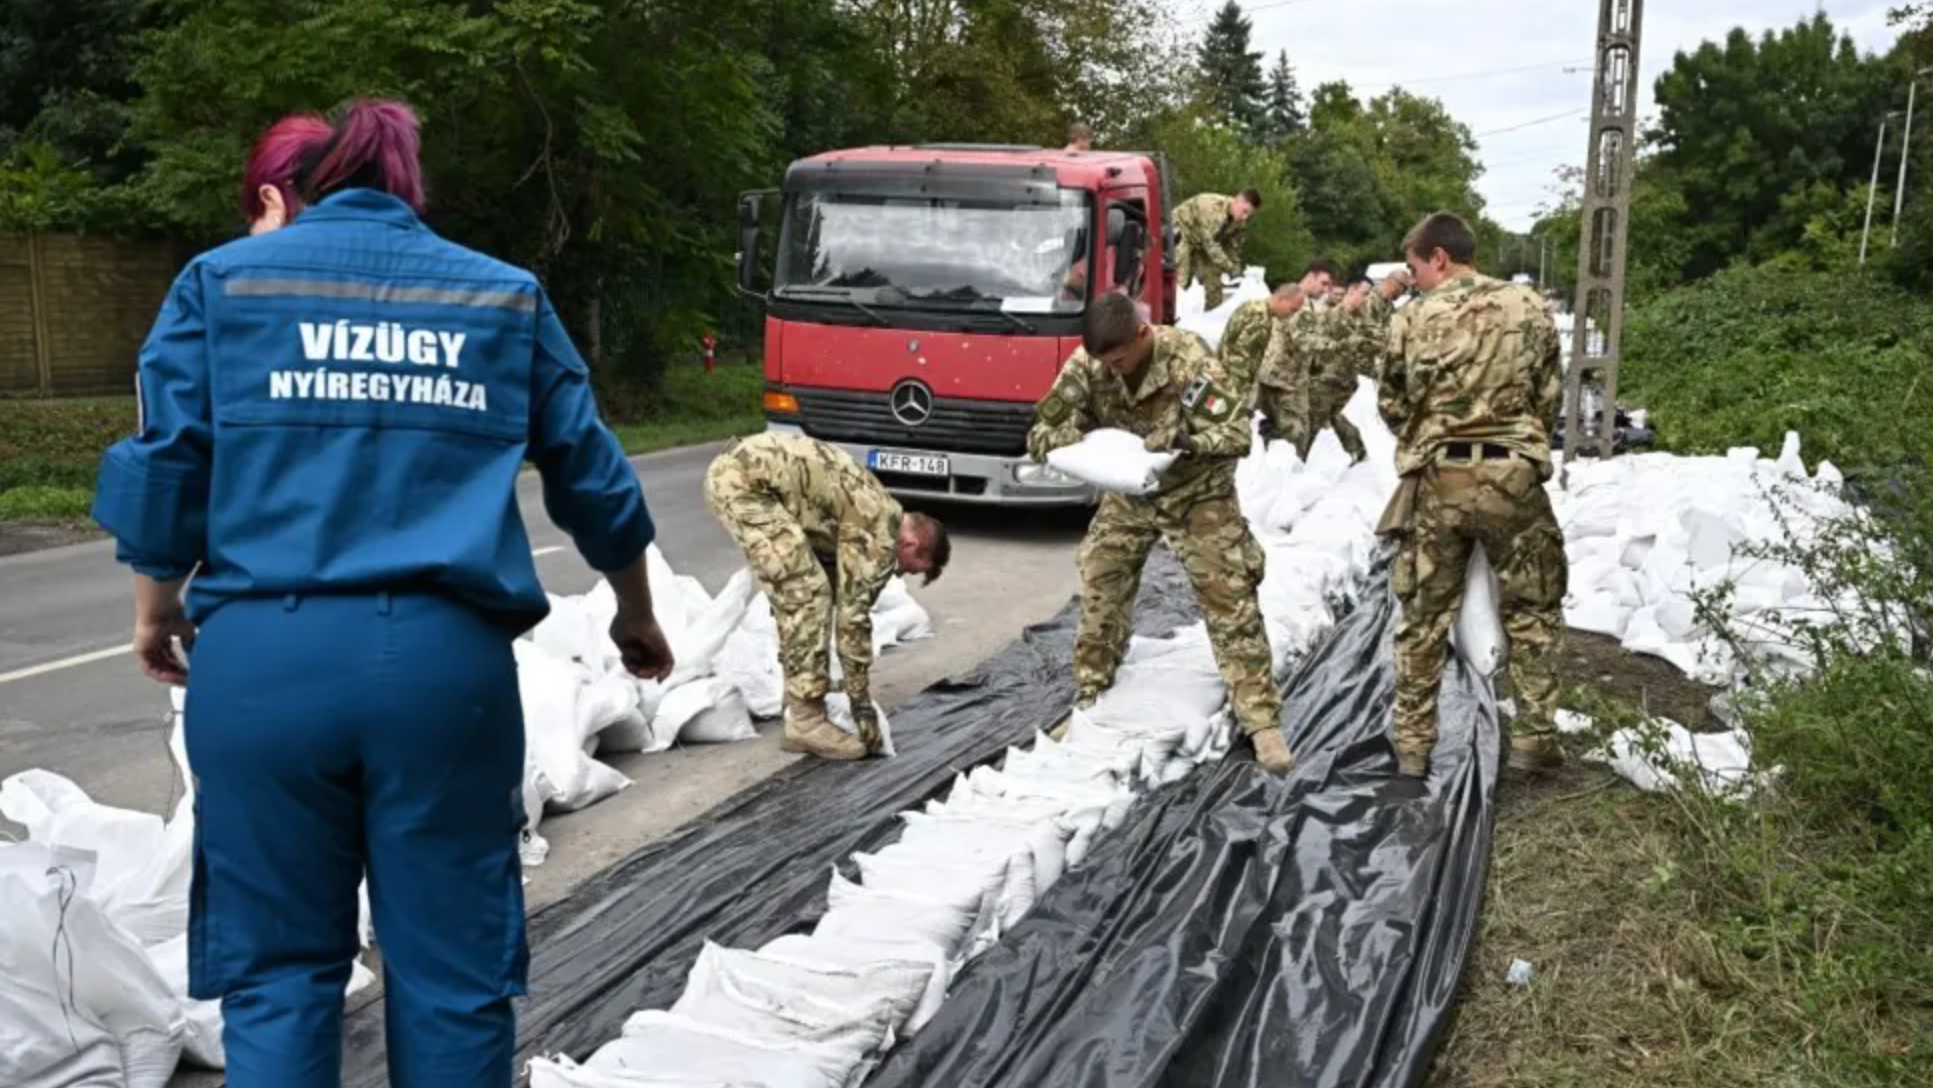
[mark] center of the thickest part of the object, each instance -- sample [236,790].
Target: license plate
[913,464]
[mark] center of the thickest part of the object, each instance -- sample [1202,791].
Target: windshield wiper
[835,294]
[969,310]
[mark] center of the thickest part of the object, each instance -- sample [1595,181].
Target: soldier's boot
[808,729]
[1412,763]
[1272,751]
[1535,754]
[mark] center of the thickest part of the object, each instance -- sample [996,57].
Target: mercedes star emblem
[912,403]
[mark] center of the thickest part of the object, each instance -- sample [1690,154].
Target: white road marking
[66,663]
[90,658]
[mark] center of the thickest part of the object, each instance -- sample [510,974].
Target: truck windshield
[887,251]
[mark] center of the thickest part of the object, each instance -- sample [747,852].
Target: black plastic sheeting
[1239,930]
[1246,930]
[757,867]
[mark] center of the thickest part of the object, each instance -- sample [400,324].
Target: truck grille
[956,426]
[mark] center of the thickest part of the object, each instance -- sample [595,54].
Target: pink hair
[375,145]
[275,159]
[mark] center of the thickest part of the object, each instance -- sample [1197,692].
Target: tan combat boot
[1535,754]
[1272,751]
[809,730]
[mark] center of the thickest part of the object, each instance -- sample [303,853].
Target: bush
[1826,880]
[1754,352]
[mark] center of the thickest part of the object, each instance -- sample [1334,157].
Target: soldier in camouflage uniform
[1250,328]
[1282,384]
[1211,227]
[1163,383]
[1471,387]
[817,528]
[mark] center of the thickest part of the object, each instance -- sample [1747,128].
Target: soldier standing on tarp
[816,527]
[1211,227]
[1471,387]
[1282,383]
[1245,340]
[1163,384]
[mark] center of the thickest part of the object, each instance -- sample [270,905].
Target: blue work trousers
[332,736]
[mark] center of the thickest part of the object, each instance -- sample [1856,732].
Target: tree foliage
[1367,172]
[604,143]
[1285,113]
[1231,72]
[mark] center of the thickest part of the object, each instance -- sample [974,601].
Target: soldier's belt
[1473,452]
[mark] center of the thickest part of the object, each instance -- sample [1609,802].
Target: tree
[1231,74]
[1285,113]
[1745,124]
[1366,174]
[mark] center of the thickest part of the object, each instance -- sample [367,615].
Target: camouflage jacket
[1368,334]
[1326,338]
[1475,360]
[1182,390]
[1210,232]
[1282,383]
[1245,343]
[850,522]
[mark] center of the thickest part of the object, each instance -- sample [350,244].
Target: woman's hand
[159,620]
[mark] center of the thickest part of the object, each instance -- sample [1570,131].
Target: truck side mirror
[748,242]
[1127,255]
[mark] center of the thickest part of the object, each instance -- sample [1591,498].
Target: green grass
[50,450]
[691,406]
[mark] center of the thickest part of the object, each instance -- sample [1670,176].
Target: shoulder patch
[1053,410]
[1195,391]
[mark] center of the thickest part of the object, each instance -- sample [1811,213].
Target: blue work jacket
[344,405]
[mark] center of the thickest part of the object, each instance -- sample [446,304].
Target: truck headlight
[1037,475]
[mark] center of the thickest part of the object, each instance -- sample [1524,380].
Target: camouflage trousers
[792,577]
[1224,564]
[1325,410]
[1191,266]
[1502,505]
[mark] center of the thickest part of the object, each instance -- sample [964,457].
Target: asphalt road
[73,702]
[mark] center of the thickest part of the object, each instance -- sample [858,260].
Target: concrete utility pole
[1872,190]
[1905,145]
[1610,164]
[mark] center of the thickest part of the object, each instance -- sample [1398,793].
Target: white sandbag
[1112,460]
[1478,636]
[697,652]
[661,1044]
[710,711]
[65,966]
[141,866]
[559,1071]
[759,995]
[838,953]
[1192,314]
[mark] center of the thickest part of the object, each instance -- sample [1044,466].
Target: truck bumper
[975,478]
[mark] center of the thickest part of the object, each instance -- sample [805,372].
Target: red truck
[922,300]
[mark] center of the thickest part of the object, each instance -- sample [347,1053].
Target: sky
[1499,64]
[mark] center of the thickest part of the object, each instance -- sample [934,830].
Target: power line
[1547,65]
[1531,124]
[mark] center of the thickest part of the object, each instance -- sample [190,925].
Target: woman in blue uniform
[333,418]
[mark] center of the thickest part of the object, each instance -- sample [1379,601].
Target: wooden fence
[74,310]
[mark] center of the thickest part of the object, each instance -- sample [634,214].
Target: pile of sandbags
[579,703]
[94,939]
[1644,533]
